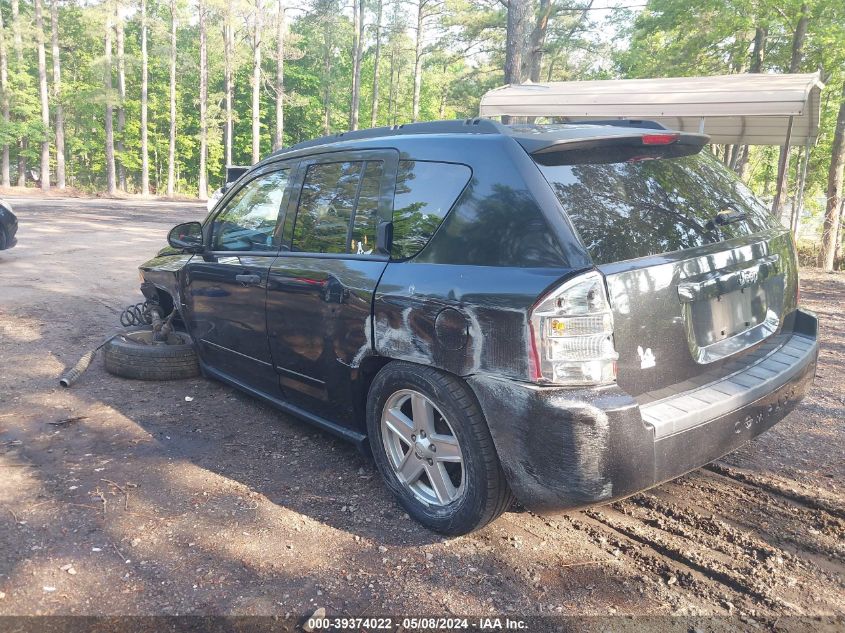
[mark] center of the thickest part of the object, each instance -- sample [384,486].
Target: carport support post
[784,159]
[802,181]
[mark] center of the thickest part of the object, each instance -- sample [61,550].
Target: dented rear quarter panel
[462,319]
[461,304]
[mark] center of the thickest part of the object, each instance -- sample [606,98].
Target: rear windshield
[625,210]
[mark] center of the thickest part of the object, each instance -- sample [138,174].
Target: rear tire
[475,491]
[3,239]
[132,354]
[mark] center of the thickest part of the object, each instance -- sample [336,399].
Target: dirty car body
[621,308]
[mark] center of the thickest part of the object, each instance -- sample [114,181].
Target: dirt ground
[123,497]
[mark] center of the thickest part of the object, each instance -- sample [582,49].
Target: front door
[320,289]
[226,288]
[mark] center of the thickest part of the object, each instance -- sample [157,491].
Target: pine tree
[145,151]
[111,179]
[58,108]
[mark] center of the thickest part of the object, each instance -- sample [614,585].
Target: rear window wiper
[726,216]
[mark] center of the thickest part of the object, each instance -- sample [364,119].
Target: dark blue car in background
[8,226]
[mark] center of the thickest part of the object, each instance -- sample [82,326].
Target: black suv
[562,314]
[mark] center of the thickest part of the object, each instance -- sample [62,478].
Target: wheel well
[165,300]
[167,304]
[370,366]
[368,370]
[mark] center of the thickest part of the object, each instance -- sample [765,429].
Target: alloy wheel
[422,448]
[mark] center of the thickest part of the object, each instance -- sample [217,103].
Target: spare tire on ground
[134,354]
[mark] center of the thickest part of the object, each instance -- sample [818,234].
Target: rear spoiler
[616,145]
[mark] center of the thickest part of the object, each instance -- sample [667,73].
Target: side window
[249,220]
[366,218]
[425,192]
[338,208]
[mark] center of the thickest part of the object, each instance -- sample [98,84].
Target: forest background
[155,97]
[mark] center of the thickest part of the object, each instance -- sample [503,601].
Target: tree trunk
[171,152]
[20,69]
[107,68]
[57,95]
[391,93]
[121,96]
[517,36]
[327,74]
[374,115]
[256,84]
[228,55]
[4,95]
[145,150]
[832,216]
[44,96]
[279,137]
[357,49]
[758,56]
[538,40]
[444,93]
[794,66]
[202,184]
[418,55]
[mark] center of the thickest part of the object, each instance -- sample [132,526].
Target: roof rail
[458,126]
[639,123]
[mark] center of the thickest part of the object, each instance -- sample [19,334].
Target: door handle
[248,280]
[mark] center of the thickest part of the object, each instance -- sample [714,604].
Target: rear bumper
[565,448]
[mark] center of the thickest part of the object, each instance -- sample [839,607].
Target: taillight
[572,334]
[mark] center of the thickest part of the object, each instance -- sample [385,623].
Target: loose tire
[132,354]
[432,446]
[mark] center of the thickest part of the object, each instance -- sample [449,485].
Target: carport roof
[750,109]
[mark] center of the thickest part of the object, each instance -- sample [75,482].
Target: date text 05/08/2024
[416,624]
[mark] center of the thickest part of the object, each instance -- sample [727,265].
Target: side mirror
[187,237]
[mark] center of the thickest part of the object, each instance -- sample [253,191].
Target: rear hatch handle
[725,282]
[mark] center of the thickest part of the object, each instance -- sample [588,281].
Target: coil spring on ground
[138,314]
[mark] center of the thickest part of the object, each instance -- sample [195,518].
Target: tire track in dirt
[732,574]
[813,534]
[690,529]
[710,558]
[655,569]
[781,573]
[773,486]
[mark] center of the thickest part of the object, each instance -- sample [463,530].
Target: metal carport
[749,109]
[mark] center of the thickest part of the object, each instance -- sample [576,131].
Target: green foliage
[463,55]
[680,38]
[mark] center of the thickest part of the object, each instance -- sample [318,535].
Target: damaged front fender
[165,273]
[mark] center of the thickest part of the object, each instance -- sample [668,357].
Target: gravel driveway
[122,497]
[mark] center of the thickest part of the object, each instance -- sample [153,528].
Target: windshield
[625,210]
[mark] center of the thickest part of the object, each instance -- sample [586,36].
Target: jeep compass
[562,314]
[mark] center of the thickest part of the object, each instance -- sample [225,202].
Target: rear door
[225,289]
[699,273]
[320,290]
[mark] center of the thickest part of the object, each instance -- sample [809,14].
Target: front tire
[432,446]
